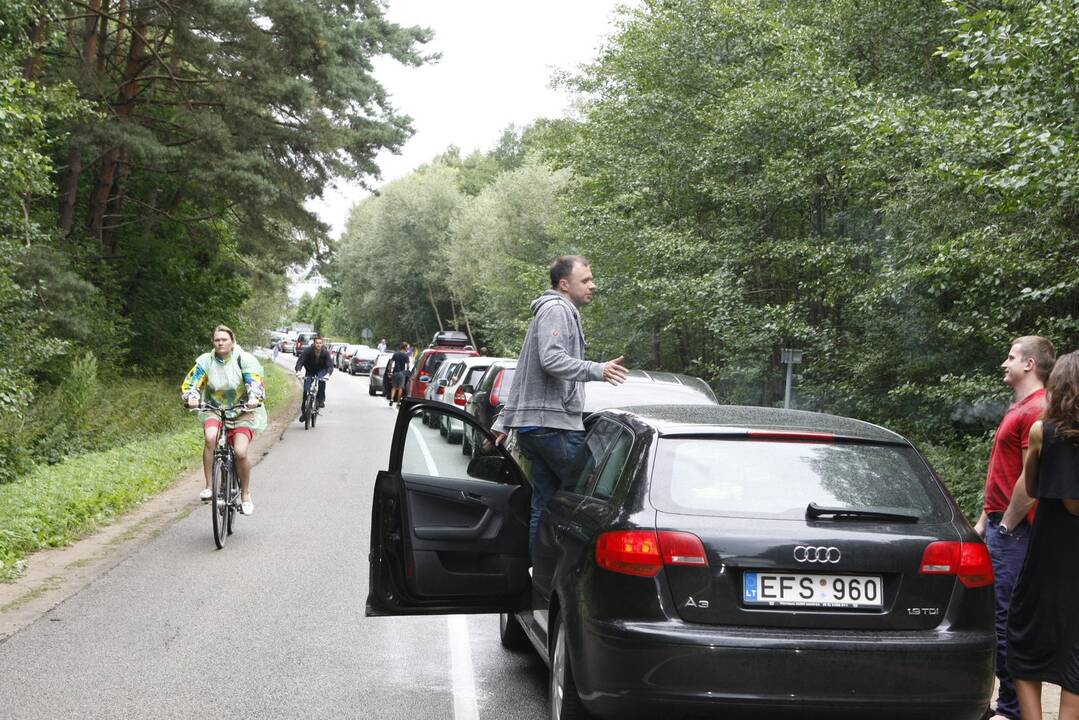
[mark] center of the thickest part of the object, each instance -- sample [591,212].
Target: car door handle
[473,497]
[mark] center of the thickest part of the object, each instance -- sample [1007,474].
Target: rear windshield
[474,376]
[753,478]
[507,381]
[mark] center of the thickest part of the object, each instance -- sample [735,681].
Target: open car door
[449,531]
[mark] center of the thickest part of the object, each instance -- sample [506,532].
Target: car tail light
[681,548]
[459,397]
[644,552]
[968,560]
[439,390]
[495,388]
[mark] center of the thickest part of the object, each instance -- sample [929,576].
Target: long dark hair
[1062,396]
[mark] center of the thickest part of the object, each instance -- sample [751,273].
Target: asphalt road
[272,626]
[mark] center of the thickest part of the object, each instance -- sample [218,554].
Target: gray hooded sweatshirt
[548,387]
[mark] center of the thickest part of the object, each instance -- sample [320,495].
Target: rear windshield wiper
[815,511]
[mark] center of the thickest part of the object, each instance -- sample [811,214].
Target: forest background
[889,185]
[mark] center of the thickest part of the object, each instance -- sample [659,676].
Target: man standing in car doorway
[1005,521]
[545,404]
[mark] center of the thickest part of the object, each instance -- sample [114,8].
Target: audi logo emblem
[812,554]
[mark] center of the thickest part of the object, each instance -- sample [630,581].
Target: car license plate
[798,590]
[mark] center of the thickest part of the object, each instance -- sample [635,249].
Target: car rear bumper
[675,669]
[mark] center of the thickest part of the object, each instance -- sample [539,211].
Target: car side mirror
[485,467]
[425,378]
[468,389]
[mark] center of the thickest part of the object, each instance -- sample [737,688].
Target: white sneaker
[247,508]
[206,494]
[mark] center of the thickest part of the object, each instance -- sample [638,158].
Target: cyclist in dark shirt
[398,365]
[317,364]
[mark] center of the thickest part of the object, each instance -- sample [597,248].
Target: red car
[446,344]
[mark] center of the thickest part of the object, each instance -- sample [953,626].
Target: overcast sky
[498,58]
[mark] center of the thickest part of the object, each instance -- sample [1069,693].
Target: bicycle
[225,500]
[309,408]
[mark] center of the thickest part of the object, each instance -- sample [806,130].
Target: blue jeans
[550,452]
[1007,553]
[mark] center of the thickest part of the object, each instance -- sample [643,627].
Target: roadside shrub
[962,467]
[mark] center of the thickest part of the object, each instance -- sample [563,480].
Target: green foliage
[887,184]
[56,504]
[391,271]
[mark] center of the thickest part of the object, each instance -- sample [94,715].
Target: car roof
[675,420]
[481,360]
[649,388]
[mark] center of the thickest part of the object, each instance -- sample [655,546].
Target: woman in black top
[1043,625]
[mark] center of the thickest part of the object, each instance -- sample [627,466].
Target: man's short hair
[563,265]
[1043,352]
[403,346]
[315,337]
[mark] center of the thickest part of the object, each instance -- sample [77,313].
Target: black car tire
[371,391]
[511,633]
[442,430]
[466,446]
[565,703]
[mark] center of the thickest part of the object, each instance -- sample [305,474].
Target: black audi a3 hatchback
[703,561]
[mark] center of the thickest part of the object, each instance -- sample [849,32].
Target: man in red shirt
[1004,523]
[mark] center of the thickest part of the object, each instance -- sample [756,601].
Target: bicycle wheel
[234,495]
[307,419]
[219,504]
[314,415]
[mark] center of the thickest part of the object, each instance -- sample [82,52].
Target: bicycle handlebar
[207,407]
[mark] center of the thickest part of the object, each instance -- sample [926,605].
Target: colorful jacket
[227,382]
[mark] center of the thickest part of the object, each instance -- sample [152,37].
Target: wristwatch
[1004,529]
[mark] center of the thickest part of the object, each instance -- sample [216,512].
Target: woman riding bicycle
[228,377]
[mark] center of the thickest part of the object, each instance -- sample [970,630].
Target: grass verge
[55,504]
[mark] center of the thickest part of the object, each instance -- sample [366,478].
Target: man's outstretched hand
[614,371]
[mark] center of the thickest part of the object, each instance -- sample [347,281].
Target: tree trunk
[468,326]
[110,163]
[431,299]
[32,65]
[102,38]
[70,190]
[91,44]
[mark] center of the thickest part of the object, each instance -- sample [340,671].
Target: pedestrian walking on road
[1004,522]
[545,404]
[1043,626]
[399,366]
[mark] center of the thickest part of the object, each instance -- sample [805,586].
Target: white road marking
[427,457]
[464,683]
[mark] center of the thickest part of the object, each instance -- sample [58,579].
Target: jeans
[320,395]
[550,452]
[1007,553]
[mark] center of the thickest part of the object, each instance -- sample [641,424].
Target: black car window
[612,467]
[434,362]
[754,478]
[474,376]
[590,456]
[424,455]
